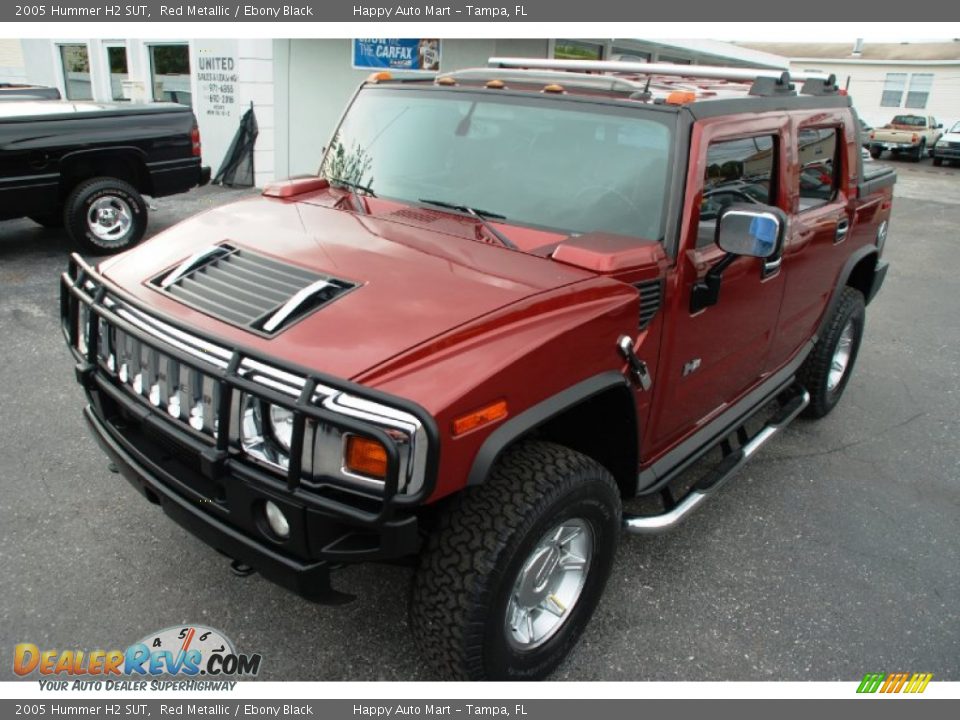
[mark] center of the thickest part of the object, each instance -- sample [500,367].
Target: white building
[298,87]
[885,79]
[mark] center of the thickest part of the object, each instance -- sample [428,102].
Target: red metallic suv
[512,298]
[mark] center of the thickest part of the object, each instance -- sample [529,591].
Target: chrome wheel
[109,218]
[841,357]
[549,584]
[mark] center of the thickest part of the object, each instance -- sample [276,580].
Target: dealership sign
[397,54]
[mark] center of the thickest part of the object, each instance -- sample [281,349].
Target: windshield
[955,128]
[569,166]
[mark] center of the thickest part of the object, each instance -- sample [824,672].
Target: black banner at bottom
[873,707]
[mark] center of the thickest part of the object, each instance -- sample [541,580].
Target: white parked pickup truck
[912,134]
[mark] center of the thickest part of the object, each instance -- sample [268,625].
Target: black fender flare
[536,415]
[855,259]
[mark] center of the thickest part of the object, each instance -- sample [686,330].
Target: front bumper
[947,152]
[207,484]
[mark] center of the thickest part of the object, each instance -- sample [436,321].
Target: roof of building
[948,50]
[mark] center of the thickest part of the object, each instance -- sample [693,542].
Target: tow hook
[638,368]
[241,569]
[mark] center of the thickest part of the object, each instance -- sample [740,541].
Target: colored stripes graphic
[894,683]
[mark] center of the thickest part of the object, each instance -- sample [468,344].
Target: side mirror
[751,230]
[939,127]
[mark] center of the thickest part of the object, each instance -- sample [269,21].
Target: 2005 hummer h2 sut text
[512,298]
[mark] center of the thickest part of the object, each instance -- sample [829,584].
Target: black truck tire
[921,150]
[938,161]
[498,548]
[827,369]
[54,220]
[876,152]
[105,215]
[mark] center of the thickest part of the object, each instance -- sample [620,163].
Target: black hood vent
[248,289]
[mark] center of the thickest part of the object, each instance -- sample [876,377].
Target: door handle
[843,227]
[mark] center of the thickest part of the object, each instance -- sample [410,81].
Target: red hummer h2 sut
[512,298]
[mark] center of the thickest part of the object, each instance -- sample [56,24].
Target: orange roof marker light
[480,417]
[379,76]
[681,97]
[445,80]
[553,88]
[496,84]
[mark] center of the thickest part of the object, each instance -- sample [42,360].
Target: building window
[117,62]
[170,73]
[577,50]
[75,61]
[920,84]
[630,54]
[893,89]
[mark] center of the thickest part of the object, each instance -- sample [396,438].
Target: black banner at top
[526,11]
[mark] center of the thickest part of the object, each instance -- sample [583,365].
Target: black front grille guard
[215,458]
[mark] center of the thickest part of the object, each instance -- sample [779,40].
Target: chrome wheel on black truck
[514,571]
[105,215]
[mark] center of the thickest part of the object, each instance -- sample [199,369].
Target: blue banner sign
[397,54]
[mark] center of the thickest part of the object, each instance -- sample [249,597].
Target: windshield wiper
[482,215]
[354,190]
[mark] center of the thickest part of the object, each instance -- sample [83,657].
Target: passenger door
[711,356]
[817,243]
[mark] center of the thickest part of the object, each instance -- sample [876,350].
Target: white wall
[314,80]
[12,69]
[867,81]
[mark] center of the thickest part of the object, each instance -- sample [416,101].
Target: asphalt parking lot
[836,552]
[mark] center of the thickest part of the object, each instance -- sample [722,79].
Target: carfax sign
[396,54]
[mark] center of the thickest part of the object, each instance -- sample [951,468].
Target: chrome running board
[733,460]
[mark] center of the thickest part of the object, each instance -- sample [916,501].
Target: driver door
[712,356]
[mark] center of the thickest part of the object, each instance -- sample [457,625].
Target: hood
[950,137]
[412,283]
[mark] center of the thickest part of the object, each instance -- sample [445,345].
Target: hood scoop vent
[249,290]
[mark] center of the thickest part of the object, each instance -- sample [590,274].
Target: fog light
[277,520]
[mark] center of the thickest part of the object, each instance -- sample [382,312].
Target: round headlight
[281,425]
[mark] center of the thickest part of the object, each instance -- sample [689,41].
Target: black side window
[817,151]
[738,171]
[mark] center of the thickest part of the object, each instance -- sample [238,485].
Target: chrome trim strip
[291,305]
[191,262]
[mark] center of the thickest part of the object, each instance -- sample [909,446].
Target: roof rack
[597,82]
[766,81]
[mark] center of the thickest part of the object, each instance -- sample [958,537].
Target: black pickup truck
[86,165]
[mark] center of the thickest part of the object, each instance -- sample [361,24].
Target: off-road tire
[466,575]
[53,220]
[815,371]
[79,202]
[875,153]
[938,161]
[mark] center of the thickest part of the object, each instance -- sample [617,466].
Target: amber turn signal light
[487,414]
[366,456]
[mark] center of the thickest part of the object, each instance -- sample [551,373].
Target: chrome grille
[185,393]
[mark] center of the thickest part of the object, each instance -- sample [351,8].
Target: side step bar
[728,467]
